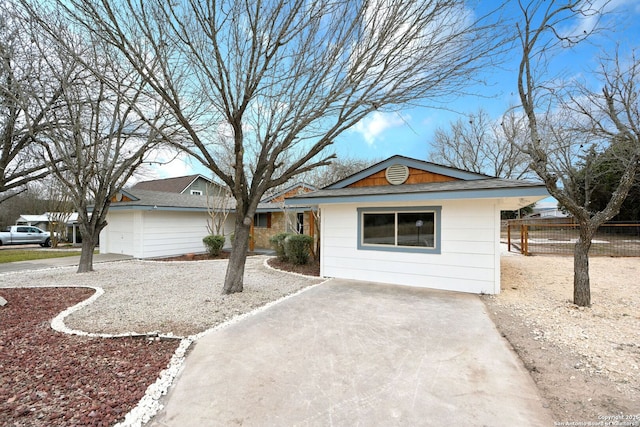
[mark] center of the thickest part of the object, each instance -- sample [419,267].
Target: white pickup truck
[23,235]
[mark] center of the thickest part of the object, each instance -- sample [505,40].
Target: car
[25,235]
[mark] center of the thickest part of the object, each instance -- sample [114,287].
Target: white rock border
[150,404]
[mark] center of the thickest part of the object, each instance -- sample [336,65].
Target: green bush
[214,244]
[277,243]
[297,248]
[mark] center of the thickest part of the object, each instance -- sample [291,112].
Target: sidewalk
[39,264]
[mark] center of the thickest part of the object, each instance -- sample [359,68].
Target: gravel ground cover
[178,298]
[585,361]
[51,378]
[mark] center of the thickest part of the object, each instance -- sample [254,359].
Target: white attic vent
[397,174]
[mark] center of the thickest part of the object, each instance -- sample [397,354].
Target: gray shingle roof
[148,200]
[164,201]
[168,185]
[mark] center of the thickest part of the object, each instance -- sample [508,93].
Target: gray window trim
[437,210]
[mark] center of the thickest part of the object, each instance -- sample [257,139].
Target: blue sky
[409,132]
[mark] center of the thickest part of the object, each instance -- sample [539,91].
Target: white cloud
[167,163]
[587,22]
[373,126]
[180,166]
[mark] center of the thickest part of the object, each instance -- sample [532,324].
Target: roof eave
[157,208]
[490,193]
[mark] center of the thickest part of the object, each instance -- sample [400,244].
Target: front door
[300,223]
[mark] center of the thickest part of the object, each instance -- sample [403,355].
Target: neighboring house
[547,210]
[149,224]
[40,221]
[153,224]
[409,222]
[197,185]
[44,222]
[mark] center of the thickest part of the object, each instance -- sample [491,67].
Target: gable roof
[462,185]
[137,199]
[170,185]
[410,163]
[299,187]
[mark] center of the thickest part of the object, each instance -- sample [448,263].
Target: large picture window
[400,229]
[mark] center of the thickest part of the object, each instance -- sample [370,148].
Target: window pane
[260,220]
[416,229]
[379,229]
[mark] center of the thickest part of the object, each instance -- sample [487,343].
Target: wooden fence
[531,237]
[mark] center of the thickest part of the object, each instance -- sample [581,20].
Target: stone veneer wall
[262,235]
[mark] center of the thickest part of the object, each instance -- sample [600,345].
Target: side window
[34,230]
[22,229]
[262,220]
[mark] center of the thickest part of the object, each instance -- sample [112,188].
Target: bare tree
[339,168]
[281,79]
[322,176]
[104,125]
[480,144]
[560,133]
[59,210]
[219,206]
[26,94]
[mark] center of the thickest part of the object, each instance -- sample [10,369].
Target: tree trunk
[89,242]
[235,270]
[581,283]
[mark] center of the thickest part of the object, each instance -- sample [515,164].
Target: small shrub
[277,243]
[296,248]
[214,244]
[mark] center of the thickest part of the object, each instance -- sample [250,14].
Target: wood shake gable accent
[121,197]
[291,191]
[390,173]
[416,176]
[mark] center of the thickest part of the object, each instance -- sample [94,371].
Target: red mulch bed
[49,378]
[197,257]
[312,268]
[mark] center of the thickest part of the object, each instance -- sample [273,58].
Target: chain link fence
[558,237]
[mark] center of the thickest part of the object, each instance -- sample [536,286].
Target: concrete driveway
[350,353]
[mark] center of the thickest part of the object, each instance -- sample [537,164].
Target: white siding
[167,233]
[118,236]
[469,259]
[153,234]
